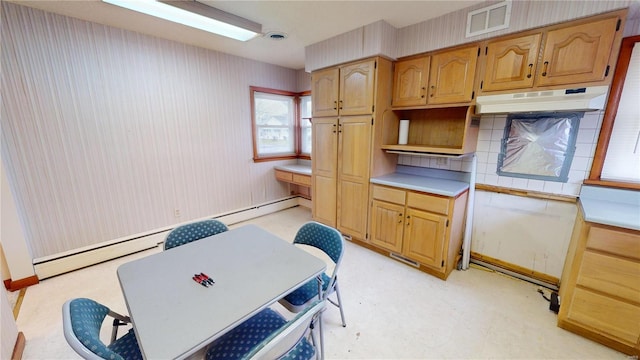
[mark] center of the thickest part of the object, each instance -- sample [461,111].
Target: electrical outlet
[176,212]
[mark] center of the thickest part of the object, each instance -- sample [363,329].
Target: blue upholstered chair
[194,231]
[81,321]
[267,335]
[331,242]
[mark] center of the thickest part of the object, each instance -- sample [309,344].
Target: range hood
[578,99]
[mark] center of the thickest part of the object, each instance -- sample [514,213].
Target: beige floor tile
[393,311]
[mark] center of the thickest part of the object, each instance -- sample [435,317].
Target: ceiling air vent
[488,19]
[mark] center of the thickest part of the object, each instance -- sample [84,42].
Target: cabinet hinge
[442,263]
[486,50]
[473,94]
[366,236]
[481,84]
[373,108]
[375,64]
[478,52]
[371,121]
[618,24]
[606,72]
[447,224]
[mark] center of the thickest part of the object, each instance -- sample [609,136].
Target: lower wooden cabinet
[420,228]
[600,287]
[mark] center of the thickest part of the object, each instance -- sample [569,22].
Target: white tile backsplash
[489,146]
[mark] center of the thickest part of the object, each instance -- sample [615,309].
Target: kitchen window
[279,131]
[539,146]
[617,159]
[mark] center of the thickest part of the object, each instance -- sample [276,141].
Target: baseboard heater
[404,259]
[61,263]
[514,274]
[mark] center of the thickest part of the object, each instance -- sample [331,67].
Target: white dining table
[174,316]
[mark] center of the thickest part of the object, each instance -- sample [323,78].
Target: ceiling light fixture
[197,15]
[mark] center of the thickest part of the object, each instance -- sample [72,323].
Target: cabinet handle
[335,105]
[339,127]
[408,217]
[530,67]
[544,69]
[334,128]
[433,88]
[424,90]
[400,221]
[340,104]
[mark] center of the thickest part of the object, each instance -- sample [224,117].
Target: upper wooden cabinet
[410,82]
[581,53]
[511,63]
[577,54]
[344,90]
[446,77]
[452,75]
[324,92]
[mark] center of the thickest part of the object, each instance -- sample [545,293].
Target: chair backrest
[194,231]
[325,238]
[81,322]
[288,336]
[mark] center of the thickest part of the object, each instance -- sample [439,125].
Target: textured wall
[447,30]
[105,132]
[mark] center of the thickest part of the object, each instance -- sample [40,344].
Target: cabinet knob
[335,105]
[340,105]
[530,68]
[544,69]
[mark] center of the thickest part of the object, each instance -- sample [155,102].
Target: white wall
[105,131]
[9,332]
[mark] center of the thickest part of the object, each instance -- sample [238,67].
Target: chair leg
[344,324]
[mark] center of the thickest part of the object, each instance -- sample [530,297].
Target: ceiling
[305,22]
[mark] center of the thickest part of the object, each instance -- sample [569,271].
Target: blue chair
[331,242]
[81,322]
[268,335]
[194,231]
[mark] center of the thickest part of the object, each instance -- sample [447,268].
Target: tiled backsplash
[489,140]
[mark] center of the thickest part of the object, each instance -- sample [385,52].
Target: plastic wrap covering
[539,146]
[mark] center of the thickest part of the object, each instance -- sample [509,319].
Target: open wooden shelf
[451,130]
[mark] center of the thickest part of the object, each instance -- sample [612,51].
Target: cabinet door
[410,82]
[354,156]
[387,225]
[356,88]
[511,64]
[577,54]
[452,75]
[424,237]
[324,92]
[324,169]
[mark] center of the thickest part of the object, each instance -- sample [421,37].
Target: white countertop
[295,168]
[438,186]
[612,207]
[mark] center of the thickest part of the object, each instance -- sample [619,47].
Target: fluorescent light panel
[192,19]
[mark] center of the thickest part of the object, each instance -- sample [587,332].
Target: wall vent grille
[488,19]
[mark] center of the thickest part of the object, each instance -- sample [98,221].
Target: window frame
[296,154]
[613,101]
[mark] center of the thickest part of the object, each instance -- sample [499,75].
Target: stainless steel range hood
[577,99]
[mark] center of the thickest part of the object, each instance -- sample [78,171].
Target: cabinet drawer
[621,243]
[606,315]
[284,176]
[611,275]
[430,203]
[302,179]
[395,196]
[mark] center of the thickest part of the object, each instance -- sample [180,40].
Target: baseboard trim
[14,285]
[69,261]
[517,271]
[18,348]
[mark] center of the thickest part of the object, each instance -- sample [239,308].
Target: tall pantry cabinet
[348,102]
